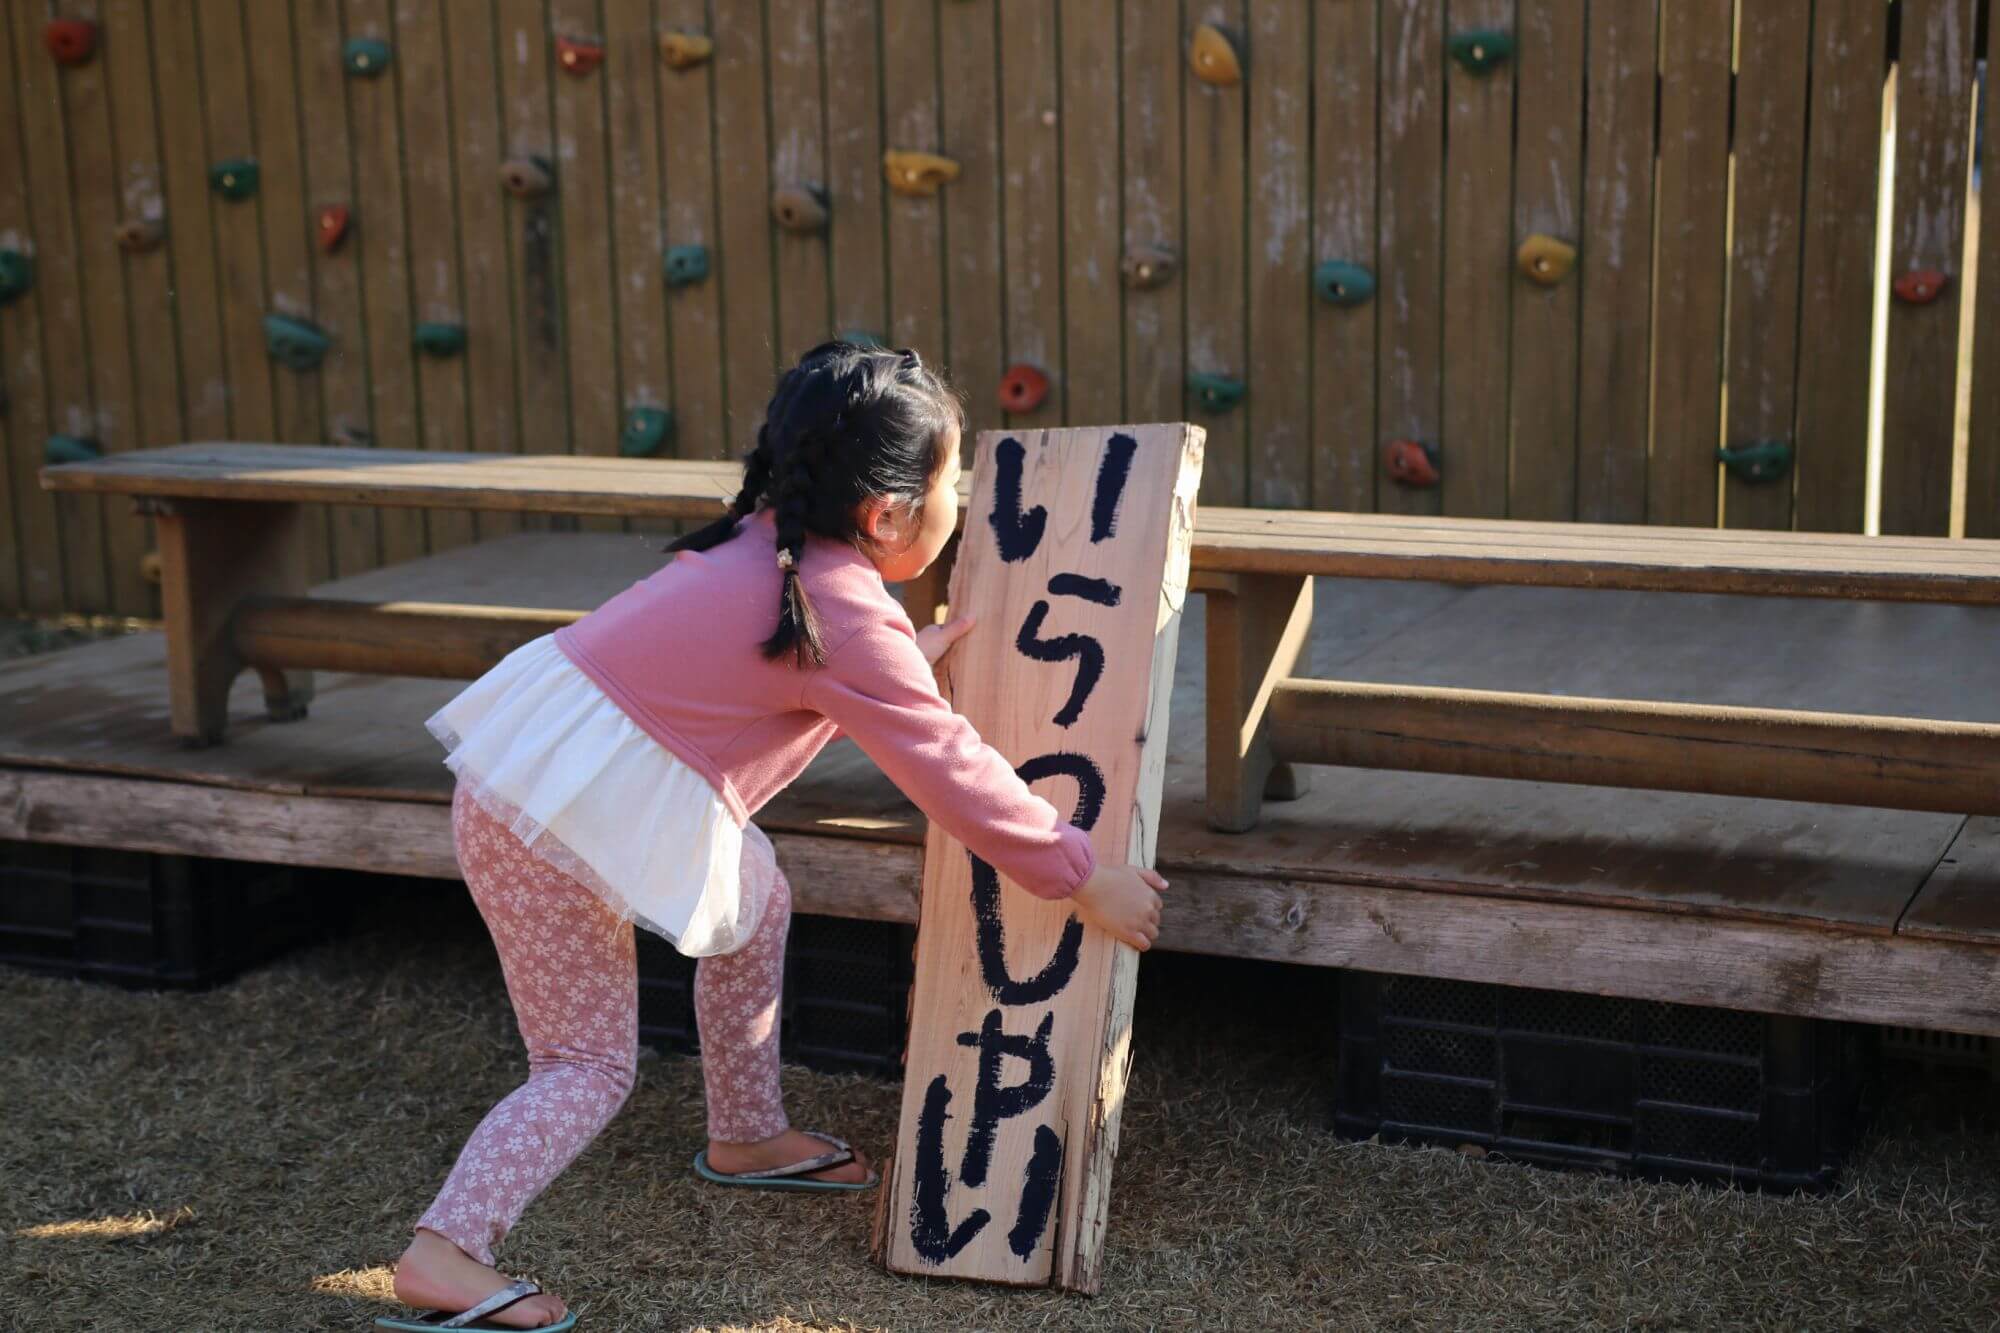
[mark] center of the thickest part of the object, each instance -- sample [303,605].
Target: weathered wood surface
[102,709]
[1080,539]
[1610,556]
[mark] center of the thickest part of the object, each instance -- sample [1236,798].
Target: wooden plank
[1930,983]
[1278,412]
[1344,183]
[850,35]
[1837,280]
[911,117]
[355,532]
[1764,294]
[1614,375]
[438,640]
[382,254]
[1548,192]
[197,291]
[1410,265]
[743,261]
[1961,900]
[1050,1170]
[492,417]
[1982,479]
[590,329]
[694,312]
[239,246]
[967,127]
[1258,631]
[287,236]
[1031,205]
[30,541]
[1687,310]
[798,154]
[1920,372]
[94,185]
[1214,267]
[47,226]
[631,72]
[1778,754]
[1153,71]
[1093,371]
[1478,255]
[541,362]
[436,284]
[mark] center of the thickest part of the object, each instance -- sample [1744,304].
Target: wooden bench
[234,596]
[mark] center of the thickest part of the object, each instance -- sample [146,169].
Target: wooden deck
[1856,913]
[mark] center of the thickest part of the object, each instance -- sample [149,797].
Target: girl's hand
[936,640]
[1123,901]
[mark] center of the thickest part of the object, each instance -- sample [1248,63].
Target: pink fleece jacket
[678,652]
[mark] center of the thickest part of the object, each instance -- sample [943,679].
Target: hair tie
[786,560]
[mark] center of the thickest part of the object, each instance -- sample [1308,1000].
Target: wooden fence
[1718,166]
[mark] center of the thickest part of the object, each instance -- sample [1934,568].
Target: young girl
[607,774]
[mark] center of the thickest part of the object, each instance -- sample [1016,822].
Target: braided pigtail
[756,479]
[797,497]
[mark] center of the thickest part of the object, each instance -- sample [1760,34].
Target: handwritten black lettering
[1087,651]
[990,934]
[931,1231]
[991,1102]
[1018,532]
[1111,474]
[1038,1194]
[1102,591]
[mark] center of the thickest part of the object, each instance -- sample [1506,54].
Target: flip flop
[510,1295]
[784,1177]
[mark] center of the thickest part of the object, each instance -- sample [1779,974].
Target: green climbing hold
[1480,49]
[234,178]
[441,339]
[1216,393]
[295,343]
[686,264]
[1765,460]
[71,449]
[862,338]
[1343,283]
[17,274]
[366,56]
[646,429]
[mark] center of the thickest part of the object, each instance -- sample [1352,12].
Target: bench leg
[1259,628]
[213,554]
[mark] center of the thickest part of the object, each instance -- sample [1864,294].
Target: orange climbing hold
[70,41]
[1022,389]
[1920,287]
[332,227]
[1212,57]
[578,57]
[1411,463]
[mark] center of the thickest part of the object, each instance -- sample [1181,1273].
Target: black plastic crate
[847,995]
[143,920]
[1634,1087]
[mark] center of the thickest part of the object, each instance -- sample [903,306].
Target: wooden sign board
[1074,558]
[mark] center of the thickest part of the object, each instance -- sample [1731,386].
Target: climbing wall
[1607,260]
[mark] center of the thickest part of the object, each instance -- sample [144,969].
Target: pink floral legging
[569,963]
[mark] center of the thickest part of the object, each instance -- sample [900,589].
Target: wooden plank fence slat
[31,540]
[965,125]
[851,71]
[632,69]
[1614,372]
[1837,264]
[1151,76]
[1214,266]
[436,284]
[1278,412]
[1092,372]
[1032,205]
[1478,257]
[1982,464]
[1927,231]
[1344,183]
[1410,273]
[694,311]
[1548,189]
[798,153]
[911,117]
[744,265]
[1690,261]
[493,421]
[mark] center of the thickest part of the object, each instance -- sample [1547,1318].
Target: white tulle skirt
[541,748]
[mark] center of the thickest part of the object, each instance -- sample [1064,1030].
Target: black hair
[847,424]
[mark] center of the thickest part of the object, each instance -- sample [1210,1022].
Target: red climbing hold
[332,227]
[1920,287]
[578,57]
[1411,463]
[1022,389]
[70,41]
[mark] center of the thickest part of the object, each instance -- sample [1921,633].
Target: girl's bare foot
[435,1274]
[791,1146]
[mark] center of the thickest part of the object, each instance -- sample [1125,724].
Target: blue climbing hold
[71,449]
[1216,393]
[366,57]
[686,264]
[295,343]
[1343,283]
[646,429]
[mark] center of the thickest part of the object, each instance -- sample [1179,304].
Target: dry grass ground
[249,1159]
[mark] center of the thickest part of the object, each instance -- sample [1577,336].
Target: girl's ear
[877,521]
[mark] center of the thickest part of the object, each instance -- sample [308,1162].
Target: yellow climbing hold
[917,173]
[1212,57]
[1545,259]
